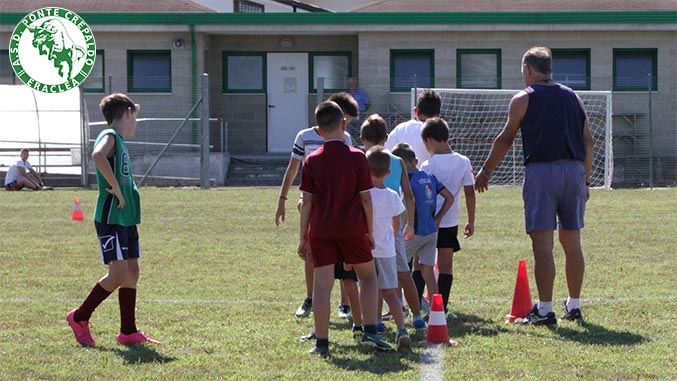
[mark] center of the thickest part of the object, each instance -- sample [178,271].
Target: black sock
[370,328]
[444,282]
[419,282]
[322,343]
[357,328]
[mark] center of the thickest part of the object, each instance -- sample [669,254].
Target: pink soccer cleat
[135,338]
[80,330]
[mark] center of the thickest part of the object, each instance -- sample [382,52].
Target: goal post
[477,116]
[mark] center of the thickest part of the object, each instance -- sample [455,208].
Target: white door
[287,99]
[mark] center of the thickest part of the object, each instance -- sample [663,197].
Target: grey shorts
[387,272]
[554,195]
[401,254]
[425,247]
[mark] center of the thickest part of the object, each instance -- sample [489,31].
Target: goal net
[476,117]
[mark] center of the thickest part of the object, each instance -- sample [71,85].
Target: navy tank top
[552,127]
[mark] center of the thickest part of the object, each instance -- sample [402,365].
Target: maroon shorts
[348,250]
[14,186]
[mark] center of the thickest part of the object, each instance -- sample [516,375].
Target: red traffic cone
[438,333]
[521,300]
[77,211]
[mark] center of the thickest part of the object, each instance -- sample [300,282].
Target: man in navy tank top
[557,146]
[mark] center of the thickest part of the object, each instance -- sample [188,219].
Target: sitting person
[22,174]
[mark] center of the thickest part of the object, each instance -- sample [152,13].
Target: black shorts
[117,243]
[448,238]
[340,273]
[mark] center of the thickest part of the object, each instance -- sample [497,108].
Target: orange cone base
[77,215]
[437,334]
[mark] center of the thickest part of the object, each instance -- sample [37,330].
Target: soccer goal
[476,117]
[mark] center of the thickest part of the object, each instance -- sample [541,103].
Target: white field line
[226,301]
[432,363]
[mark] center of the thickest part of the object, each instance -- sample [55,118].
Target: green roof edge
[370,18]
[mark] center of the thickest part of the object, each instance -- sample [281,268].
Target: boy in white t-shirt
[22,175]
[455,172]
[387,209]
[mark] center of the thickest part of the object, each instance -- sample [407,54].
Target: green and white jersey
[107,211]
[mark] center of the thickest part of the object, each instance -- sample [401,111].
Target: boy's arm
[304,240]
[37,175]
[409,203]
[100,158]
[365,197]
[289,176]
[469,193]
[396,223]
[448,201]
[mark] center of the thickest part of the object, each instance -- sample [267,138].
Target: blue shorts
[117,243]
[554,195]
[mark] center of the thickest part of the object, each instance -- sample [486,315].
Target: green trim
[371,18]
[574,52]
[406,52]
[632,51]
[264,72]
[101,89]
[459,68]
[311,69]
[130,71]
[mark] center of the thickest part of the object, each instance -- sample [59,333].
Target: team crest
[52,50]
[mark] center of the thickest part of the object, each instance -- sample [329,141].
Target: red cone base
[521,300]
[438,333]
[77,211]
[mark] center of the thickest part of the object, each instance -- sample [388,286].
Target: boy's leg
[354,299]
[445,260]
[127,298]
[395,305]
[366,274]
[323,283]
[428,273]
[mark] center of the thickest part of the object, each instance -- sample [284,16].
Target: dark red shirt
[335,175]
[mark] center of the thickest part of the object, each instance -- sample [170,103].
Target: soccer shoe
[402,340]
[308,336]
[81,330]
[535,319]
[344,311]
[373,340]
[135,338]
[450,315]
[321,351]
[305,308]
[419,324]
[389,315]
[572,315]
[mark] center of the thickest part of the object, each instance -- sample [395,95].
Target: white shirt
[409,132]
[386,204]
[309,140]
[454,171]
[13,173]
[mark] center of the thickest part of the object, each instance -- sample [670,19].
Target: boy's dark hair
[114,106]
[374,129]
[328,116]
[436,129]
[428,103]
[404,151]
[379,161]
[539,58]
[347,103]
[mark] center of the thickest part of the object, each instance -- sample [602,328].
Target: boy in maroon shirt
[336,224]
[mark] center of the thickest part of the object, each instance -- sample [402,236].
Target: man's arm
[289,176]
[469,193]
[409,203]
[365,197]
[588,142]
[504,140]
[100,157]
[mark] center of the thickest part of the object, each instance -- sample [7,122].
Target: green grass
[220,282]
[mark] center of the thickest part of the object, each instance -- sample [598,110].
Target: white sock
[573,303]
[544,308]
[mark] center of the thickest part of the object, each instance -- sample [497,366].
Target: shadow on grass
[594,334]
[138,354]
[380,363]
[465,325]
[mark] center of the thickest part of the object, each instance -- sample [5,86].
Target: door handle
[271,106]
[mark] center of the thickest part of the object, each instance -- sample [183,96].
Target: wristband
[485,172]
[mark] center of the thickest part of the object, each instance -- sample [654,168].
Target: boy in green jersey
[118,211]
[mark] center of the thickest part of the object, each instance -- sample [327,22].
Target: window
[7,76]
[245,6]
[149,71]
[96,81]
[244,72]
[632,67]
[411,68]
[335,68]
[478,68]
[571,67]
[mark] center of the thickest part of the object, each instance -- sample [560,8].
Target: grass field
[220,283]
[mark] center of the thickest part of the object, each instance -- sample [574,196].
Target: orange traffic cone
[77,211]
[438,333]
[521,300]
